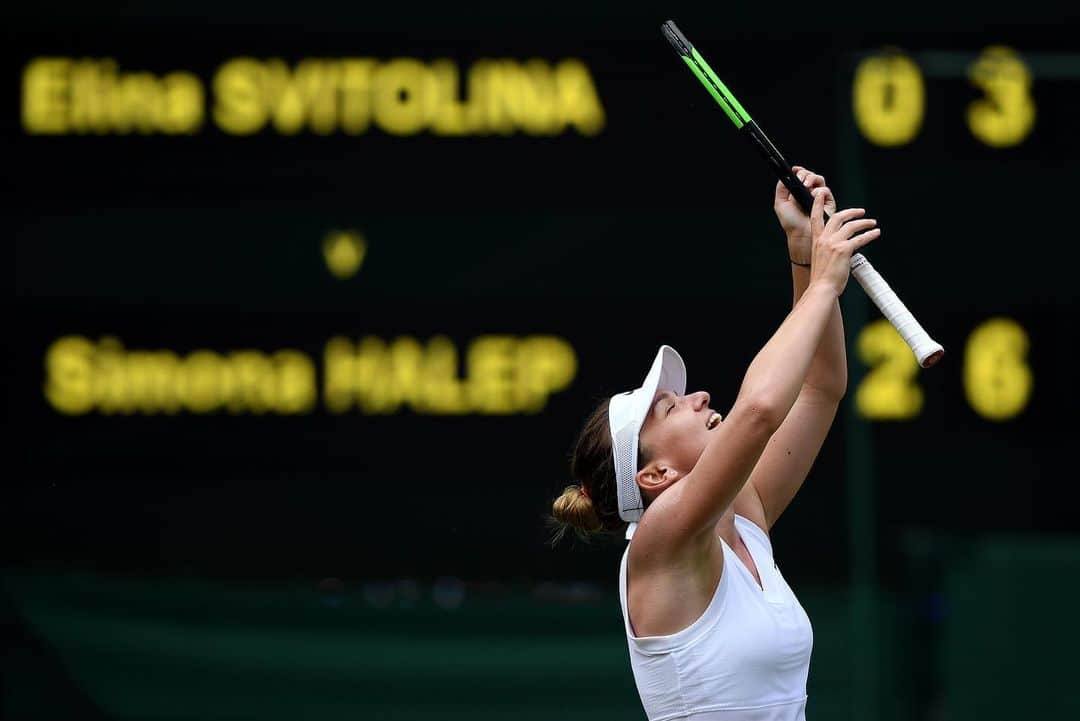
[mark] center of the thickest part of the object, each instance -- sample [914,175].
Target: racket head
[701,69]
[674,36]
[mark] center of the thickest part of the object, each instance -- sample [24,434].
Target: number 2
[889,391]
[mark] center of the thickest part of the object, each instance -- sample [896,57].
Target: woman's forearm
[776,375]
[828,368]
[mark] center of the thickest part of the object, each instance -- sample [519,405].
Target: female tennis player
[714,631]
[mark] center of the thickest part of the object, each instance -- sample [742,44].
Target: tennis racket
[926,350]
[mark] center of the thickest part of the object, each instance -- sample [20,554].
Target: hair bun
[574,508]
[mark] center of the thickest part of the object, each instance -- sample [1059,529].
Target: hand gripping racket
[927,351]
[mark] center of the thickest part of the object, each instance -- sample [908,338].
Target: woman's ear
[656,476]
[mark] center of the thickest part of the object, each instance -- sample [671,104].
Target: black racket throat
[768,151]
[780,166]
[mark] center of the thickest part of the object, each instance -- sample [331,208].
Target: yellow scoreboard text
[399,96]
[997,378]
[502,375]
[888,97]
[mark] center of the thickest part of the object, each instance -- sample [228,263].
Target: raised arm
[688,511]
[791,451]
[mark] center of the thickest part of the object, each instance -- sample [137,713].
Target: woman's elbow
[832,390]
[763,413]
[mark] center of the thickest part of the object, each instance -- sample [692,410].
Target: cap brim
[626,415]
[668,373]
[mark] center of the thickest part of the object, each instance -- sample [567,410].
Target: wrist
[821,286]
[799,249]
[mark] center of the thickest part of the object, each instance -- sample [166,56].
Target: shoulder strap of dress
[753,533]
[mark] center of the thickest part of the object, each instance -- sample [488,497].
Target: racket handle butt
[927,351]
[933,358]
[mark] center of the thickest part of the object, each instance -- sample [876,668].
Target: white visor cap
[626,414]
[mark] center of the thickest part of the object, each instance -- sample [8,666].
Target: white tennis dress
[746,658]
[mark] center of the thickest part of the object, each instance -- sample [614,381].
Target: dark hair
[592,506]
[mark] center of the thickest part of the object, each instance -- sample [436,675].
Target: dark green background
[170,567]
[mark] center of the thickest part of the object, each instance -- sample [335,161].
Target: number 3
[1007,114]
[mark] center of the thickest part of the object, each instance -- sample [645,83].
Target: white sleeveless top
[746,658]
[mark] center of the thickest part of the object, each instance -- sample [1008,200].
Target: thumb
[782,193]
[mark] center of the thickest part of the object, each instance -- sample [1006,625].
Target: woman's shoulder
[652,543]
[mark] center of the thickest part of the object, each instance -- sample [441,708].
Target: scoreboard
[335,296]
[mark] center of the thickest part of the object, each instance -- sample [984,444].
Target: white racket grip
[926,350]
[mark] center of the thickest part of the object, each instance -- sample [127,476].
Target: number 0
[889,99]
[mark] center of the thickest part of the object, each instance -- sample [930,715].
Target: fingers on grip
[808,177]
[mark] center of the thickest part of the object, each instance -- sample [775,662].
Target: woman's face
[677,429]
